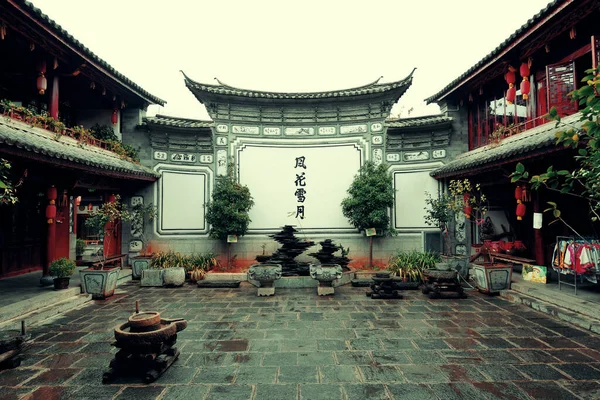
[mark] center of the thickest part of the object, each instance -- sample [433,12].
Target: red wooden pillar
[51,238]
[53,107]
[539,241]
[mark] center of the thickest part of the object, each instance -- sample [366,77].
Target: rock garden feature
[385,286]
[285,256]
[325,274]
[146,342]
[12,345]
[326,254]
[266,274]
[436,282]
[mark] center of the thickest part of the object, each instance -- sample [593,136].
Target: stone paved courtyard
[298,346]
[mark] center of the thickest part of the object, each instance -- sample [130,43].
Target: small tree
[371,194]
[227,213]
[140,213]
[105,220]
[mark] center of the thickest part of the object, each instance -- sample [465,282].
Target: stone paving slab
[296,345]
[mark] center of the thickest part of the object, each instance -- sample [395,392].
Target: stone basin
[165,331]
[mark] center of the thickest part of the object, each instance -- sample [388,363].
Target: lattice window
[561,81]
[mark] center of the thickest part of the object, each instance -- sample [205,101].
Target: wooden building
[498,108]
[50,82]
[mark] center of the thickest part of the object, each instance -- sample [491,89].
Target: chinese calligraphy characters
[300,184]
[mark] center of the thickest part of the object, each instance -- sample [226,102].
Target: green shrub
[62,268]
[410,264]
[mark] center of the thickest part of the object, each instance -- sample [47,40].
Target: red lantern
[42,82]
[51,211]
[518,193]
[114,118]
[468,210]
[52,193]
[525,85]
[112,198]
[510,78]
[77,200]
[90,207]
[520,210]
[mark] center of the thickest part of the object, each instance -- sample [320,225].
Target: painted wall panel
[183,201]
[410,188]
[274,179]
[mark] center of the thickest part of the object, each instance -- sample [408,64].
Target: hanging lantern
[510,78]
[52,194]
[468,210]
[90,207]
[525,85]
[518,193]
[112,198]
[114,117]
[42,82]
[50,211]
[77,200]
[520,210]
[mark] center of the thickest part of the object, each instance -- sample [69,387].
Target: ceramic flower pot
[174,276]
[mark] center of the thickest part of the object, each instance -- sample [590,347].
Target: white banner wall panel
[182,198]
[289,182]
[409,192]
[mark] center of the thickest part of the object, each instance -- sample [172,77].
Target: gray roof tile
[20,135]
[509,149]
[414,122]
[371,88]
[177,122]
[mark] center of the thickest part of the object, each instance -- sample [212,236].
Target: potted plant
[140,214]
[61,270]
[200,264]
[79,248]
[409,265]
[227,213]
[101,279]
[370,196]
[439,213]
[166,268]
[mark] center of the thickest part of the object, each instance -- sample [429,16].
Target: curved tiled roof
[68,38]
[177,122]
[226,90]
[415,122]
[67,150]
[546,11]
[509,149]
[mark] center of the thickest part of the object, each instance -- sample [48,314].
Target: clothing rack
[579,258]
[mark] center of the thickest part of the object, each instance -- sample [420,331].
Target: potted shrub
[101,280]
[370,196]
[61,270]
[140,214]
[409,265]
[200,264]
[227,213]
[166,268]
[79,248]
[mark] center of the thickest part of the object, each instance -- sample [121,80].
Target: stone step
[559,311]
[36,302]
[565,299]
[46,310]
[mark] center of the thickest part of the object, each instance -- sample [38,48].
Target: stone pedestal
[326,274]
[266,274]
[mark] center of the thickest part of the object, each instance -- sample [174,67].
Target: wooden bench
[96,262]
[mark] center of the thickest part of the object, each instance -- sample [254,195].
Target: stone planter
[100,283]
[266,274]
[152,278]
[492,278]
[138,264]
[174,276]
[325,274]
